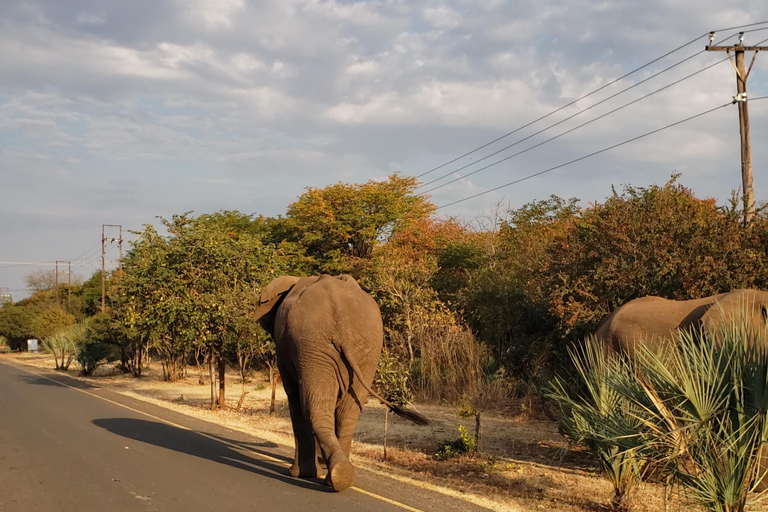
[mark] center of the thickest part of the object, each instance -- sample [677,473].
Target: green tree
[187,289]
[339,226]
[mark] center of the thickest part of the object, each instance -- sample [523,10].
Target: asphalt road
[68,446]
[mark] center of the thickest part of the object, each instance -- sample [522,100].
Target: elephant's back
[647,318]
[333,304]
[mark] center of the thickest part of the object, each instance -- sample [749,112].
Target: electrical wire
[587,95]
[572,129]
[633,139]
[571,117]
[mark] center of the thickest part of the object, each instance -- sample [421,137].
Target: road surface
[68,446]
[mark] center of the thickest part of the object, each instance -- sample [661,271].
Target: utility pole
[103,287]
[741,100]
[56,277]
[104,239]
[69,283]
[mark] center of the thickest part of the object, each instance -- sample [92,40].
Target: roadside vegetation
[479,315]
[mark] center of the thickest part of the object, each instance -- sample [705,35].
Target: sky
[116,112]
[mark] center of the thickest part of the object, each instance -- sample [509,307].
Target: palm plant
[704,412]
[600,418]
[62,344]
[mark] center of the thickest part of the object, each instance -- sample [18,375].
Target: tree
[41,280]
[51,320]
[339,226]
[16,325]
[191,288]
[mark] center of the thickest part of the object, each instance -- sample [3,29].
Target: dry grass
[525,464]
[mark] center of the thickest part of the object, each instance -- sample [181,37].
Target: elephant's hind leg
[320,402]
[305,457]
[347,415]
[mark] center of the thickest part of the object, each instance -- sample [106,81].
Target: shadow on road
[51,381]
[192,443]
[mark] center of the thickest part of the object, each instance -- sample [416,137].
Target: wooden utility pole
[69,283]
[56,278]
[104,239]
[741,100]
[103,268]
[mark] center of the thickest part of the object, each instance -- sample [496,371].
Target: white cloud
[442,17]
[213,14]
[264,98]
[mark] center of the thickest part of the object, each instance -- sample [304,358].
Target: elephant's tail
[414,416]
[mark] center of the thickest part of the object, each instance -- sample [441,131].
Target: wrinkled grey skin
[652,320]
[328,335]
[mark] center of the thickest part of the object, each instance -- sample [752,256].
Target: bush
[392,380]
[464,445]
[92,353]
[63,346]
[696,410]
[589,416]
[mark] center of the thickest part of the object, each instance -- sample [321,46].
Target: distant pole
[120,258]
[103,269]
[741,100]
[56,278]
[69,283]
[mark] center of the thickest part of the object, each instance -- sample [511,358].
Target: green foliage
[16,325]
[595,416]
[339,226]
[552,270]
[93,353]
[50,321]
[64,343]
[391,380]
[464,445]
[466,410]
[704,405]
[695,410]
[91,349]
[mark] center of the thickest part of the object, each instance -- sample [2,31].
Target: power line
[590,154]
[571,117]
[585,96]
[567,131]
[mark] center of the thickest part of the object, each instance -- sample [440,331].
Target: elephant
[328,335]
[652,319]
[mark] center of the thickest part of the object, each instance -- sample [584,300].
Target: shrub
[392,380]
[464,445]
[696,411]
[590,418]
[93,353]
[63,346]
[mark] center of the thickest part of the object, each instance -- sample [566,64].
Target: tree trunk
[273,382]
[478,433]
[386,426]
[214,403]
[242,398]
[222,382]
[409,336]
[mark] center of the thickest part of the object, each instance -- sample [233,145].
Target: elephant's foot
[307,472]
[341,473]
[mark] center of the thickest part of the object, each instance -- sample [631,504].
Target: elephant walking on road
[652,319]
[328,335]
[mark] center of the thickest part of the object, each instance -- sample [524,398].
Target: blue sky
[117,112]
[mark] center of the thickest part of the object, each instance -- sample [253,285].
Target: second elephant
[652,319]
[328,335]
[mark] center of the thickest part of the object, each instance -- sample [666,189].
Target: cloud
[113,113]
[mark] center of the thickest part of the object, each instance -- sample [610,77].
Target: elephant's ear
[270,298]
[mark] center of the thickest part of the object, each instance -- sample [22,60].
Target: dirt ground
[524,464]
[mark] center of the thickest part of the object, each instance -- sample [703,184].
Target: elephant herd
[328,335]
